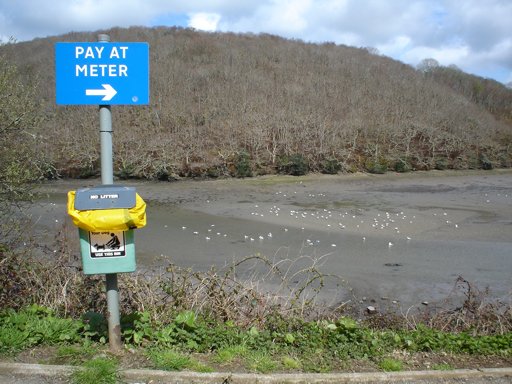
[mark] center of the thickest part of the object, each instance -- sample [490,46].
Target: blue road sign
[102,73]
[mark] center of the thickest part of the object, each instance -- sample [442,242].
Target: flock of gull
[392,226]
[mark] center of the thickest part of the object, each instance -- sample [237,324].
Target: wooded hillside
[243,104]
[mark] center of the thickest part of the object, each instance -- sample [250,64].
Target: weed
[33,326]
[97,371]
[476,315]
[220,296]
[75,354]
[260,361]
[137,328]
[13,340]
[442,367]
[229,354]
[390,365]
[290,363]
[317,361]
[173,360]
[169,360]
[197,366]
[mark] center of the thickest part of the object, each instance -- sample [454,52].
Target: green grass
[75,354]
[260,361]
[13,340]
[97,371]
[197,366]
[173,360]
[391,365]
[229,354]
[442,367]
[34,326]
[189,342]
[291,363]
[169,360]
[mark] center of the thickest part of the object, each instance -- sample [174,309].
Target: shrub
[13,275]
[377,166]
[295,165]
[471,161]
[402,165]
[127,171]
[242,163]
[213,172]
[47,169]
[441,163]
[164,172]
[485,163]
[505,159]
[330,166]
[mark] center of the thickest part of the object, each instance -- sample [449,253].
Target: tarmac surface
[15,373]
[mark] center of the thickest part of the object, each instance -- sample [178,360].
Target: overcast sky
[475,35]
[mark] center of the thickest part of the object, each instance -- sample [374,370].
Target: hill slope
[244,104]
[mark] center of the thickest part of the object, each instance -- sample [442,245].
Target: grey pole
[107,177]
[107,173]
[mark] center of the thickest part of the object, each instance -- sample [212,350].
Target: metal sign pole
[107,177]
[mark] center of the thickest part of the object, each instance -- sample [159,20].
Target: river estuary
[396,237]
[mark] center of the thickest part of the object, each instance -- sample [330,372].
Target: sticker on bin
[107,244]
[105,197]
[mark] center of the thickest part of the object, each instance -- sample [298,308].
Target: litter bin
[106,217]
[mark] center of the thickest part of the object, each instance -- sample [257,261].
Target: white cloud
[204,21]
[288,18]
[444,55]
[395,47]
[289,15]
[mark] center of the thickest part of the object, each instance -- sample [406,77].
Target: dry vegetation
[242,104]
[218,320]
[272,290]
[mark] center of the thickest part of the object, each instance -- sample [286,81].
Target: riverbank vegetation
[217,320]
[225,104]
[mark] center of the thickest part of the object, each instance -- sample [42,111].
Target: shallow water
[406,241]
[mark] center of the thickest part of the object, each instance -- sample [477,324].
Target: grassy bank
[191,342]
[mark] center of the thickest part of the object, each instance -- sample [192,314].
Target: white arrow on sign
[107,92]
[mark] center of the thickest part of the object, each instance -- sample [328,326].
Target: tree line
[225,104]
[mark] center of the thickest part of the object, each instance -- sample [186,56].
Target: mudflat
[402,238]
